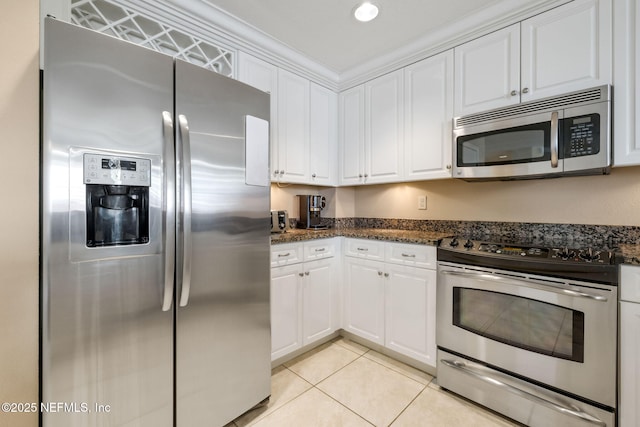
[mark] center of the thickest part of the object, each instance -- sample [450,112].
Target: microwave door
[524,146]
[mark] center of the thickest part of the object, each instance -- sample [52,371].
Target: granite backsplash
[572,235]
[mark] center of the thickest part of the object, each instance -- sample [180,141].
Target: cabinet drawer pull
[409,255]
[363,249]
[284,255]
[321,249]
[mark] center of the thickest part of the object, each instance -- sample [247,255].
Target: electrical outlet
[422,202]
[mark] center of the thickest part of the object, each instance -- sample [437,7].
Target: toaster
[279,221]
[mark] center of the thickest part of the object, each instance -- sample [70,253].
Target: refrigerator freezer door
[107,344]
[223,334]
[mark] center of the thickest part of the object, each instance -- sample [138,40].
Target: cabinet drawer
[285,254]
[630,283]
[361,248]
[409,254]
[319,249]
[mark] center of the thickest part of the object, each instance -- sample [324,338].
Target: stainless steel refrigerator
[155,238]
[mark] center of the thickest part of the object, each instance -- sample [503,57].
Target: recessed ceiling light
[366,12]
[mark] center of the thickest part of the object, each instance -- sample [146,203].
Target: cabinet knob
[282,172]
[449,167]
[366,175]
[313,175]
[386,274]
[306,273]
[525,90]
[359,175]
[276,172]
[514,92]
[301,274]
[379,273]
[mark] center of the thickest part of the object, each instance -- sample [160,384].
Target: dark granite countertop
[630,253]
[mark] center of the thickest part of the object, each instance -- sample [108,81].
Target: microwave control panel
[116,170]
[581,135]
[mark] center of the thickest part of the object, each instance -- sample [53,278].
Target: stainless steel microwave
[562,135]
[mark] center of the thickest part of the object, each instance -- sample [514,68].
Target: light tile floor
[342,383]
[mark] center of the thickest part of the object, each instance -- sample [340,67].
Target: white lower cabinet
[286,292]
[304,300]
[629,364]
[629,411]
[410,312]
[392,303]
[318,300]
[364,298]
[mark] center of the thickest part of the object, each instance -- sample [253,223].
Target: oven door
[520,146]
[554,332]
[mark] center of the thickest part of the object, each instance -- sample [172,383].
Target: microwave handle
[554,139]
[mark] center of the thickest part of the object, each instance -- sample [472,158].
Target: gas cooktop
[586,263]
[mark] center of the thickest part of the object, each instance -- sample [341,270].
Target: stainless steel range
[530,332]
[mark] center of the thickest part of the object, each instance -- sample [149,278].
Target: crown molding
[216,25]
[490,19]
[209,22]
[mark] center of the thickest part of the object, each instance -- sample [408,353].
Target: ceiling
[326,32]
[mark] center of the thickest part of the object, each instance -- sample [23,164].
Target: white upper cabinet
[293,127]
[626,83]
[428,114]
[351,113]
[565,49]
[487,72]
[323,135]
[263,76]
[371,131]
[304,119]
[384,122]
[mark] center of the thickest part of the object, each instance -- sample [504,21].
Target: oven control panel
[565,254]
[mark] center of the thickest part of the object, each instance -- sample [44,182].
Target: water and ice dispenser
[117,200]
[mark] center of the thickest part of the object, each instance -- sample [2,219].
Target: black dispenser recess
[117,211]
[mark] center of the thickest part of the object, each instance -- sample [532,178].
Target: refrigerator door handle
[169,210]
[184,160]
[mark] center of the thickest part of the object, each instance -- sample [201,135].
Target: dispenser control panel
[116,170]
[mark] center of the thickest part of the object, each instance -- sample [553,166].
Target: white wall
[19,142]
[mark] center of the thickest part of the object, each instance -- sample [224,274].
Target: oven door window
[521,322]
[522,144]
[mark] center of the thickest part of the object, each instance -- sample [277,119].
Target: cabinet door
[410,312]
[352,136]
[384,130]
[626,108]
[364,299]
[629,364]
[293,127]
[263,76]
[487,72]
[286,296]
[567,48]
[428,114]
[323,135]
[319,304]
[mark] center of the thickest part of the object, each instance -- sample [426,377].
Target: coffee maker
[310,208]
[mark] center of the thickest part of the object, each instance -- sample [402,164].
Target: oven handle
[557,287]
[574,412]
